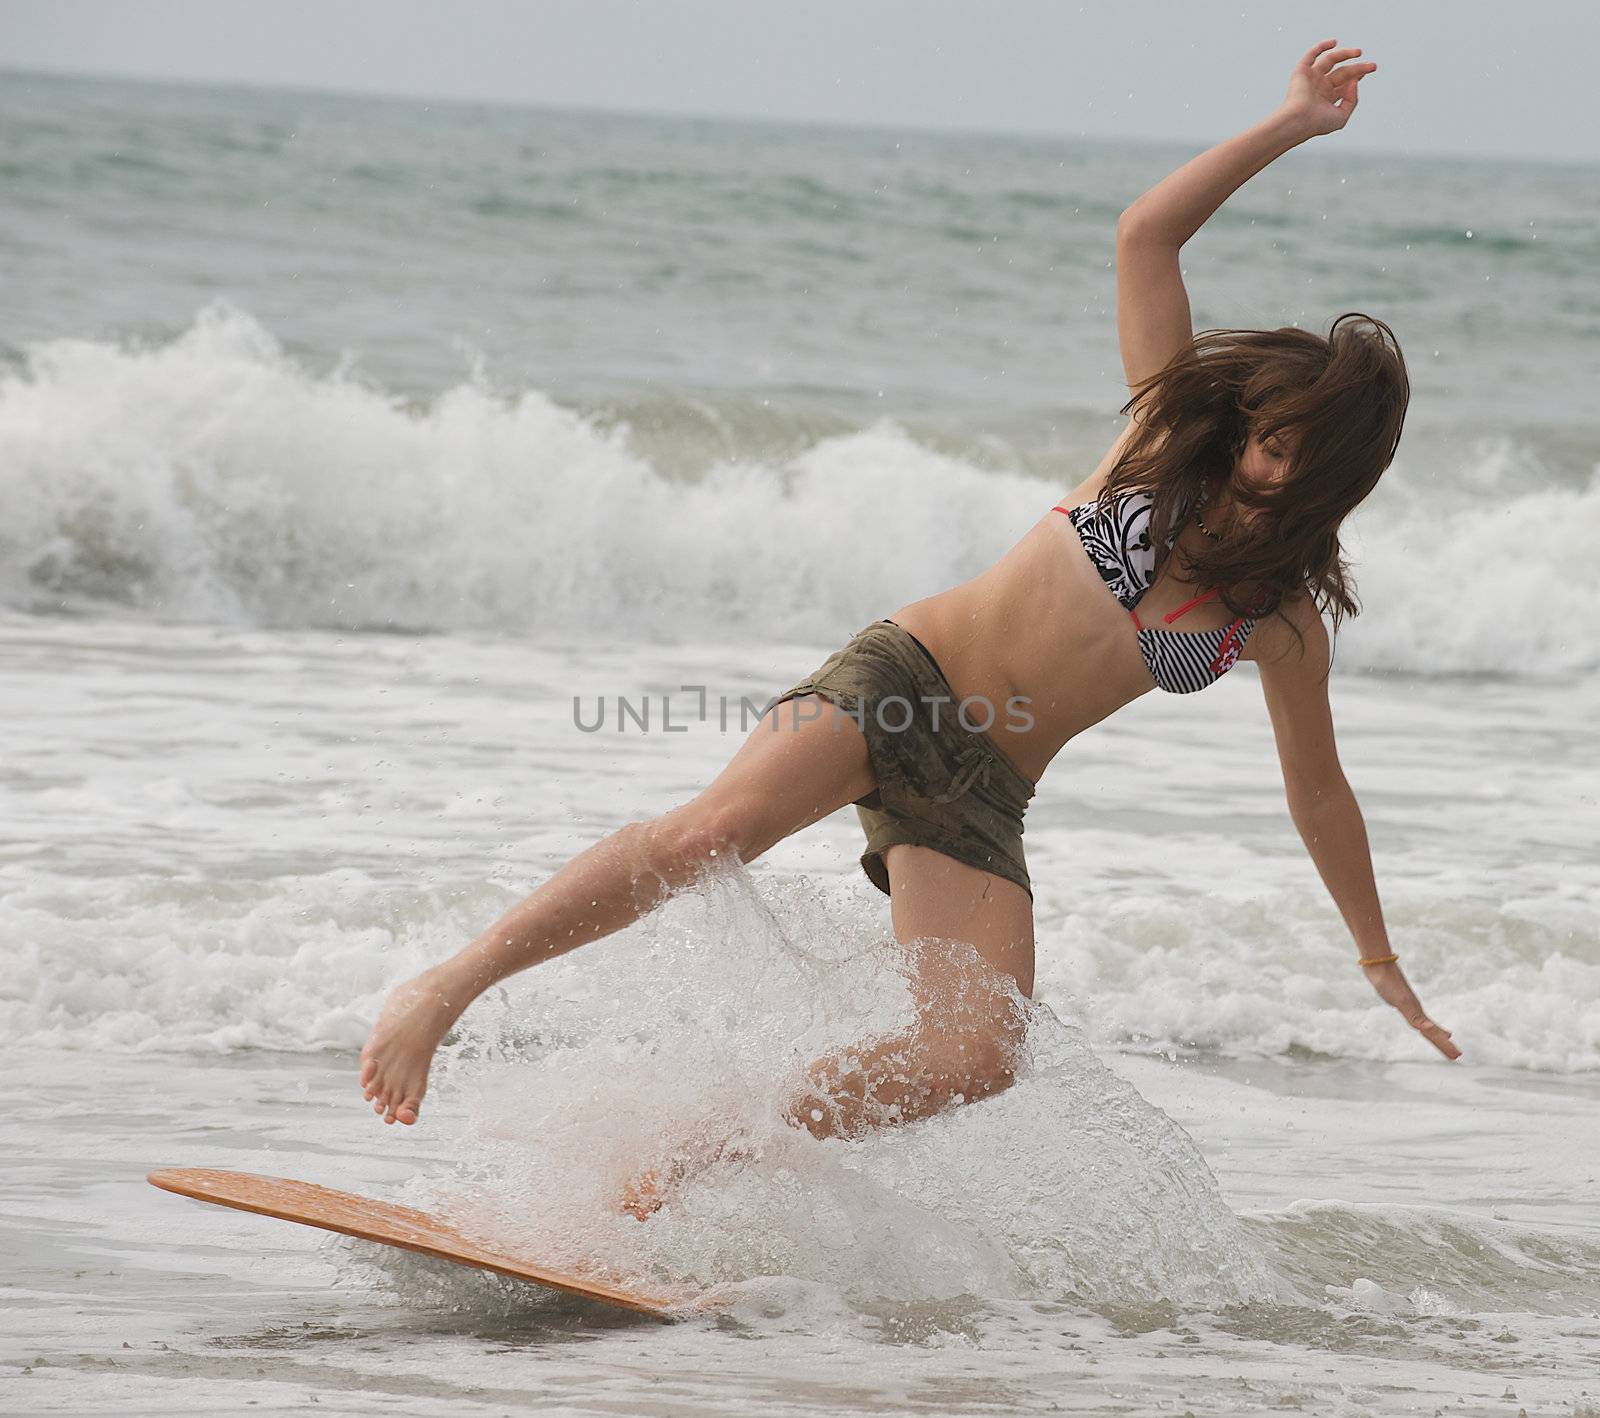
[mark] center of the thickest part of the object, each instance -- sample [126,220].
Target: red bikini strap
[1135,614]
[1059,508]
[1203,597]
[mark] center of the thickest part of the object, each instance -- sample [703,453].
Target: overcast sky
[1488,77]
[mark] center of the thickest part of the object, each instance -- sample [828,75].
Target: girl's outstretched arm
[1153,320]
[1323,807]
[1321,98]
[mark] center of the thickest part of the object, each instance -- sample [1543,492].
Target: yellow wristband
[1378,960]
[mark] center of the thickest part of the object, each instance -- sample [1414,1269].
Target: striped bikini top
[1119,545]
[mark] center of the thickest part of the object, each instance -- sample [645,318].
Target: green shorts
[940,784]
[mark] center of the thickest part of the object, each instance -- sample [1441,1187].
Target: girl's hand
[1321,96]
[1390,983]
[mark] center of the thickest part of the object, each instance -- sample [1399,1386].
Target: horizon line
[180,81]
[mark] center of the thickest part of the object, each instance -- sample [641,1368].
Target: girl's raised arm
[1153,321]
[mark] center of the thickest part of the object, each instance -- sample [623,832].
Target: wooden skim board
[392,1225]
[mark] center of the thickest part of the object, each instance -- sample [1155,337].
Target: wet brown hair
[1343,396]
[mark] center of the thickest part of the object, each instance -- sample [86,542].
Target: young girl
[1219,507]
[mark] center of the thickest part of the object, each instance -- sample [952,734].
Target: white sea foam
[1517,980]
[301,963]
[214,478]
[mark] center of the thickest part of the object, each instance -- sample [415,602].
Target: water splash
[1067,1184]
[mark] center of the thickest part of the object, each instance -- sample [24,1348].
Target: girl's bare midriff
[1041,625]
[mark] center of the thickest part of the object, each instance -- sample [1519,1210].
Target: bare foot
[645,1194]
[394,1062]
[642,1196]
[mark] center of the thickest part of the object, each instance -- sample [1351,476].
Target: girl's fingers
[1350,73]
[1326,61]
[1438,1037]
[1317,49]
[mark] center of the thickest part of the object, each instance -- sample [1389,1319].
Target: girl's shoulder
[1292,631]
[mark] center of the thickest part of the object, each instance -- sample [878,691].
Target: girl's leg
[962,1045]
[801,762]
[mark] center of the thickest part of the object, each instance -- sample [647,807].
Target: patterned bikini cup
[1119,545]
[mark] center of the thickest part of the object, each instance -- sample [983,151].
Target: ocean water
[344,444]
